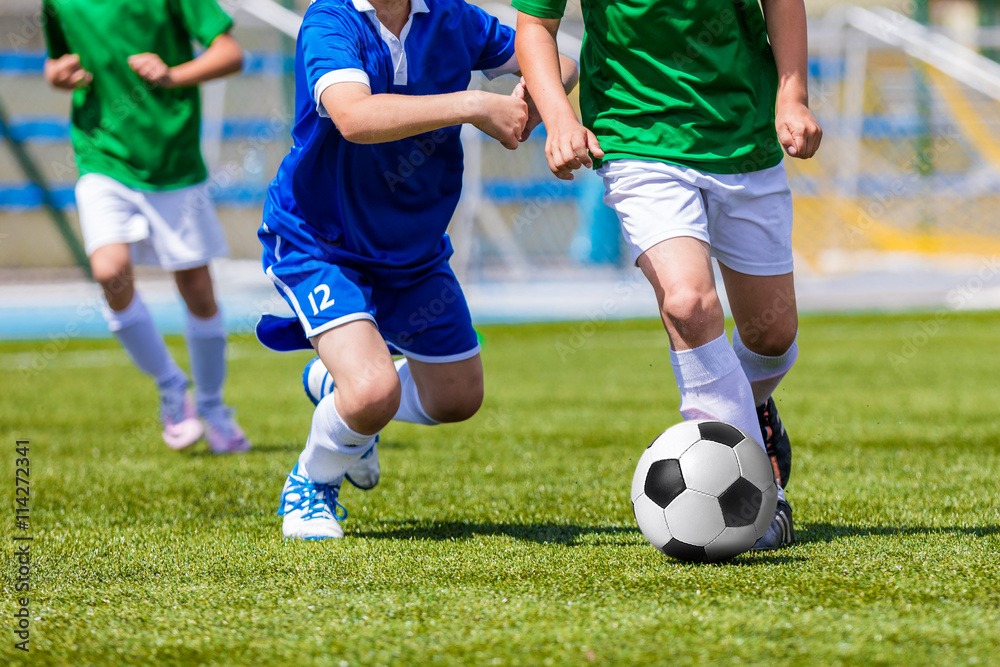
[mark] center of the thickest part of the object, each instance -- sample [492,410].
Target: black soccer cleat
[780,533]
[779,448]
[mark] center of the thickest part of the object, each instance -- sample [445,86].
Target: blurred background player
[354,228]
[688,106]
[141,197]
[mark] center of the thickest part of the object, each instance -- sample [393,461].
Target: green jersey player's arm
[568,144]
[570,75]
[798,130]
[363,118]
[62,68]
[223,56]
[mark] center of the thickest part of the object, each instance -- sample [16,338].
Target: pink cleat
[181,427]
[223,434]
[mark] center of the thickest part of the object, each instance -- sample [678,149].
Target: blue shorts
[422,314]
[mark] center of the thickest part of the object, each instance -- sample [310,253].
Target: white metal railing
[934,48]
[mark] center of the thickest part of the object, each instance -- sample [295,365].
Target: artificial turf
[509,539]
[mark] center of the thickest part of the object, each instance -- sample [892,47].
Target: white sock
[206,342]
[332,445]
[714,386]
[134,328]
[763,372]
[410,408]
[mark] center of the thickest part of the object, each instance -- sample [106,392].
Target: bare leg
[764,340]
[195,286]
[366,384]
[680,271]
[451,392]
[344,424]
[130,322]
[112,267]
[764,309]
[711,382]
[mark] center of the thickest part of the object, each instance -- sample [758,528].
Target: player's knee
[373,402]
[690,310]
[203,307]
[458,407]
[195,286]
[109,274]
[777,344]
[773,341]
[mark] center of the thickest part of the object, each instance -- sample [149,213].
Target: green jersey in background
[137,133]
[690,82]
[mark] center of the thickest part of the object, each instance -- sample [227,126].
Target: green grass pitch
[509,539]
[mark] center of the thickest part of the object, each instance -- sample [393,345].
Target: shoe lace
[314,499]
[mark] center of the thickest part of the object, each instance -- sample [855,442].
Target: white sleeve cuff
[508,67]
[337,76]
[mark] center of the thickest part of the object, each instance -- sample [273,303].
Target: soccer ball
[704,491]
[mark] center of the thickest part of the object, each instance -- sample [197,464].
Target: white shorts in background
[173,229]
[745,218]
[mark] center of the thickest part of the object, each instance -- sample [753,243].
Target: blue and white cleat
[310,510]
[318,384]
[364,473]
[780,533]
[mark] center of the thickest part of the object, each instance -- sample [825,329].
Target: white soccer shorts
[745,218]
[173,229]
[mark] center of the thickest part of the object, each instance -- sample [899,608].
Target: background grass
[509,539]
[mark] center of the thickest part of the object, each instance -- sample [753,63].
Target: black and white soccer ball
[704,491]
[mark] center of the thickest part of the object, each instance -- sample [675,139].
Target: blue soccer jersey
[380,205]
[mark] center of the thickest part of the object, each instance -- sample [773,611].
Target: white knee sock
[714,386]
[206,343]
[764,372]
[134,328]
[410,408]
[332,445]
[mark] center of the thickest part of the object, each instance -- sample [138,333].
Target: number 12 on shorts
[322,291]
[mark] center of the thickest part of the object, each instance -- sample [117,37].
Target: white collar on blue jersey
[400,67]
[416,6]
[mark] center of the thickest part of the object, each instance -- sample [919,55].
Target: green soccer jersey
[691,82]
[139,134]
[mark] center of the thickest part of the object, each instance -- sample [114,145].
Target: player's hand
[503,117]
[67,73]
[569,146]
[151,68]
[534,118]
[798,131]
